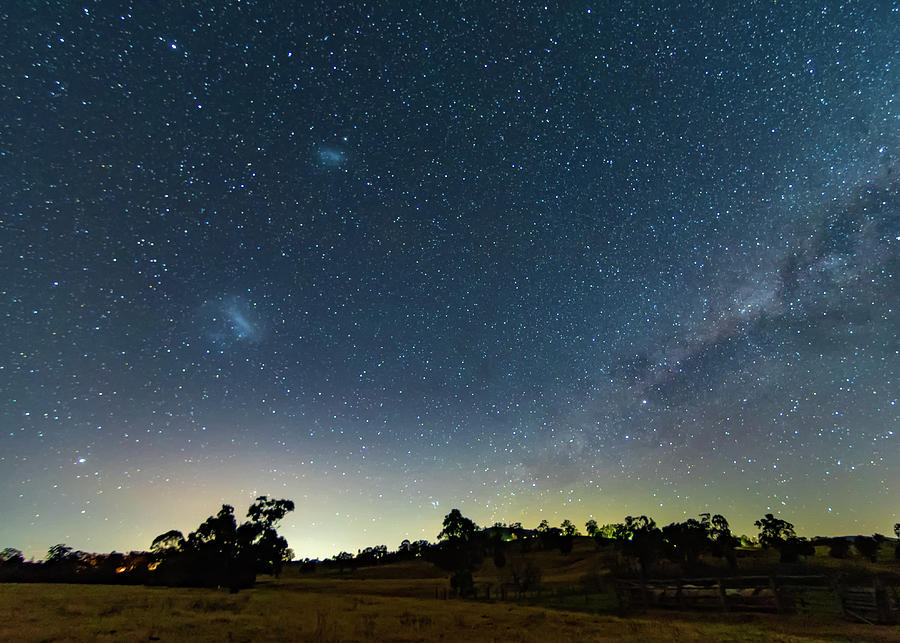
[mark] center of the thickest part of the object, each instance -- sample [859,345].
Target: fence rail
[875,604]
[777,594]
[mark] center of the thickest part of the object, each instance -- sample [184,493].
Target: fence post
[836,587]
[882,604]
[723,597]
[778,606]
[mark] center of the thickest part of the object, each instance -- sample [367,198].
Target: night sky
[562,261]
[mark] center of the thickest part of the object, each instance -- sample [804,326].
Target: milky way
[525,261]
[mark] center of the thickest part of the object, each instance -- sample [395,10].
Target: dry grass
[394,603]
[295,610]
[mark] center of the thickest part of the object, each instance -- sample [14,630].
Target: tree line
[219,553]
[223,553]
[462,546]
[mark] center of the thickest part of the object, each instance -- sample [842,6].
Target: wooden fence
[875,603]
[777,594]
[869,604]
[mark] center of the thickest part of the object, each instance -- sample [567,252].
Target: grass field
[391,603]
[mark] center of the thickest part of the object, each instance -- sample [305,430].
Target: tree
[259,533]
[611,531]
[271,552]
[568,529]
[460,551]
[838,547]
[372,555]
[221,552]
[792,548]
[715,525]
[267,513]
[897,545]
[526,575]
[343,559]
[11,556]
[723,541]
[59,554]
[644,540]
[687,540]
[779,534]
[774,531]
[457,527]
[867,547]
[404,550]
[217,534]
[419,547]
[499,556]
[168,543]
[591,528]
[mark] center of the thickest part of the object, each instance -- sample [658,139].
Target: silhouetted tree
[526,575]
[569,529]
[591,528]
[372,555]
[457,526]
[867,547]
[419,547]
[168,543]
[563,537]
[12,565]
[792,548]
[499,556]
[838,547]
[267,512]
[344,559]
[615,531]
[217,533]
[259,534]
[687,540]
[271,552]
[59,554]
[550,537]
[723,542]
[11,557]
[460,551]
[773,531]
[779,534]
[897,544]
[221,552]
[644,541]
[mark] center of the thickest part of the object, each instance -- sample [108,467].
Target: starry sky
[561,260]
